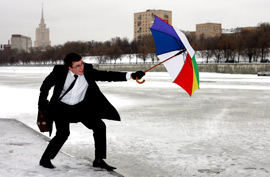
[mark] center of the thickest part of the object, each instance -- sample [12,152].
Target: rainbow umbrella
[177,55]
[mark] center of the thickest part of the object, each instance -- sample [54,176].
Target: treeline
[251,44]
[108,51]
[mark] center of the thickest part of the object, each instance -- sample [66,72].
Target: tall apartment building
[143,21]
[21,42]
[208,30]
[42,34]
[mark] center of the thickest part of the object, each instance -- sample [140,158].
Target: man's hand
[138,74]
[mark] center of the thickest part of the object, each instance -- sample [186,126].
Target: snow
[21,148]
[222,130]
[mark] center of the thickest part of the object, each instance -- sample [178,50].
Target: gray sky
[101,20]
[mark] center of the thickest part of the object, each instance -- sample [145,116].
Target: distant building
[248,28]
[208,30]
[1,47]
[21,42]
[5,46]
[42,34]
[192,34]
[143,21]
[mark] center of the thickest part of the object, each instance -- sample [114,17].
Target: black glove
[138,74]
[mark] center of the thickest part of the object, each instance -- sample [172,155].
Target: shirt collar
[70,72]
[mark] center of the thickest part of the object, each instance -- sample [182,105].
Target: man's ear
[69,68]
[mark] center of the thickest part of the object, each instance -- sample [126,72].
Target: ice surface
[222,129]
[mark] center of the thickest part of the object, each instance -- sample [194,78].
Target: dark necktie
[70,87]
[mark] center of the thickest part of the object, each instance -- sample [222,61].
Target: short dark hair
[71,57]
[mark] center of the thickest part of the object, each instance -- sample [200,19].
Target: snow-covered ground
[222,130]
[21,148]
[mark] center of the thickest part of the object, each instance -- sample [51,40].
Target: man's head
[74,63]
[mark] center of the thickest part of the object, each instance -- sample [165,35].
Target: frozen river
[222,130]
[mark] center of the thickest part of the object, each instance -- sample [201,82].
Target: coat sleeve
[47,84]
[99,75]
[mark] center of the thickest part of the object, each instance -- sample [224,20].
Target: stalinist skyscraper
[42,34]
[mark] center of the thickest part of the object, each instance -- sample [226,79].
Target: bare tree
[264,40]
[249,43]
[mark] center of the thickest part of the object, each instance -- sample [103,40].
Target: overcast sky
[101,20]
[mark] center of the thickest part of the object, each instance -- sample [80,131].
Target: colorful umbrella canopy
[177,55]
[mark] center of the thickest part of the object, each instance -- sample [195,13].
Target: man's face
[77,67]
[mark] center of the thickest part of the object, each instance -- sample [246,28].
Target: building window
[166,16]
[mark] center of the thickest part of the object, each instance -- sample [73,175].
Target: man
[77,98]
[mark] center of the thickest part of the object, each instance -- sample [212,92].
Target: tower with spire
[42,34]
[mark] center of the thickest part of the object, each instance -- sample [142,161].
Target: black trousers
[63,115]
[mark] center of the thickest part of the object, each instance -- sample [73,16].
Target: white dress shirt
[77,93]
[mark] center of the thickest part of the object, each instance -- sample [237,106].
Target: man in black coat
[77,98]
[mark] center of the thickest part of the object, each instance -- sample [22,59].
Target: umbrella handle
[139,82]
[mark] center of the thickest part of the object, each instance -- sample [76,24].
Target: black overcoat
[99,106]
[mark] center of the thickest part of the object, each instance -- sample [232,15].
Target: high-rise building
[208,30]
[42,34]
[143,21]
[21,42]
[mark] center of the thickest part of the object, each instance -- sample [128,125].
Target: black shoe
[46,163]
[102,164]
